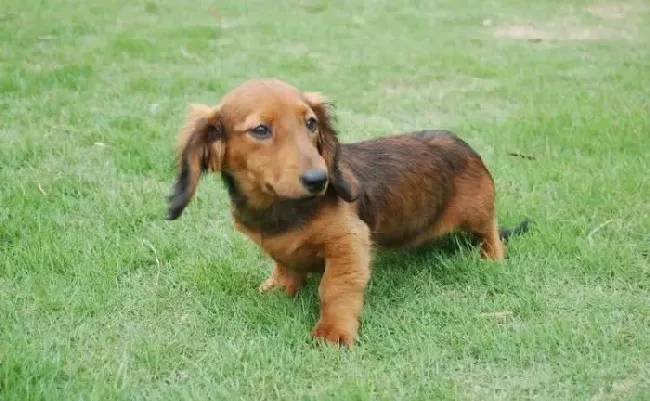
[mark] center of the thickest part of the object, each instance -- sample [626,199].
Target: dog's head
[272,140]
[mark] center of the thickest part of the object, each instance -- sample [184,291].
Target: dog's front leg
[281,277]
[341,291]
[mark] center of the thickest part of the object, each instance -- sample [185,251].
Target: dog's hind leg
[471,209]
[477,221]
[491,244]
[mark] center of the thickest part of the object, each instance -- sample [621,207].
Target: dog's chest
[292,249]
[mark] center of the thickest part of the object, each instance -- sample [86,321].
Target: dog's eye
[312,124]
[260,132]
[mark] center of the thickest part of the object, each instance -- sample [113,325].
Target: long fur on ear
[346,187]
[201,147]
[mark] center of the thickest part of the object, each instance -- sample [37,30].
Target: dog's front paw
[336,332]
[288,285]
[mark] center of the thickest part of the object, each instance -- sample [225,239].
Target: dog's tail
[506,233]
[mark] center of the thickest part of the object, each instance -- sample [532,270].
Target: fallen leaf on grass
[522,156]
[215,13]
[595,230]
[499,316]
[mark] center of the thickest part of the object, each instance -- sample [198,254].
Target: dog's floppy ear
[343,183]
[201,147]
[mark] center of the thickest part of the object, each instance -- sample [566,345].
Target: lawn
[101,298]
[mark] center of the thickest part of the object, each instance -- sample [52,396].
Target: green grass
[101,298]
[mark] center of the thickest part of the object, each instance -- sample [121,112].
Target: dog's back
[408,181]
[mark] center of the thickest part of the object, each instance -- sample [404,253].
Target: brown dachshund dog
[315,205]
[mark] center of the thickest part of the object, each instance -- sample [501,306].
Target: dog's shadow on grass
[396,274]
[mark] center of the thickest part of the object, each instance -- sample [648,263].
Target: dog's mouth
[269,188]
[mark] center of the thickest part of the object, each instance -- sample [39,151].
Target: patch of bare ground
[616,10]
[440,97]
[619,389]
[560,31]
[619,21]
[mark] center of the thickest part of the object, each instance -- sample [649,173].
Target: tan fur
[392,192]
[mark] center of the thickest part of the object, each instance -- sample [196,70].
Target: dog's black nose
[314,179]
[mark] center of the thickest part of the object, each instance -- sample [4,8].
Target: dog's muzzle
[314,180]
